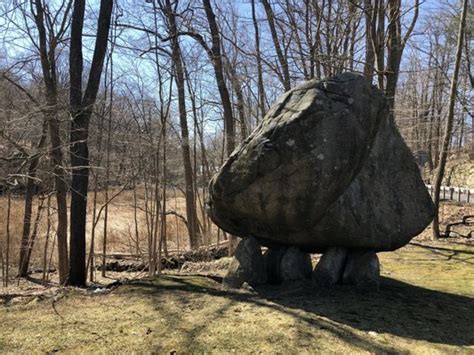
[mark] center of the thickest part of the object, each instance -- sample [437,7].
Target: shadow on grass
[448,253]
[398,308]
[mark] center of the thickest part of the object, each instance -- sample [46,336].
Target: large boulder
[325,168]
[387,203]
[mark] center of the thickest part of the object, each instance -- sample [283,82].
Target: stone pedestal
[273,258]
[328,271]
[360,268]
[247,265]
[295,265]
[278,265]
[287,264]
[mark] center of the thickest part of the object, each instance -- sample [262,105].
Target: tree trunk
[216,59]
[81,110]
[48,66]
[261,89]
[29,194]
[7,232]
[449,121]
[369,47]
[34,233]
[191,214]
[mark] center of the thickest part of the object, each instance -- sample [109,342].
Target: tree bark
[216,59]
[396,45]
[449,120]
[191,215]
[261,89]
[48,66]
[81,109]
[29,194]
[369,64]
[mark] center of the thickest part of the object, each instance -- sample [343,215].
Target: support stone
[295,265]
[330,267]
[273,258]
[362,269]
[247,265]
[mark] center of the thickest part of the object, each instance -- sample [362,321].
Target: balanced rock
[325,168]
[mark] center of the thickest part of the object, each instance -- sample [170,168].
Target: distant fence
[451,193]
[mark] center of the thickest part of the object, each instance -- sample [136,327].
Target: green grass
[425,305]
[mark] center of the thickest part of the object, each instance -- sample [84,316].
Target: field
[128,229]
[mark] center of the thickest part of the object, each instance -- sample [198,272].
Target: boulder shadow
[398,308]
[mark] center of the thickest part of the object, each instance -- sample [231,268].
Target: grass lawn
[425,305]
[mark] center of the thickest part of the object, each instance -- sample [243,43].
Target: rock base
[287,264]
[295,265]
[277,265]
[273,258]
[337,265]
[360,268]
[247,266]
[330,268]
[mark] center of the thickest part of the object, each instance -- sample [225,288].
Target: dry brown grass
[120,226]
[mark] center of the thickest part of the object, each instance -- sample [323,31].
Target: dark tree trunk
[81,110]
[261,89]
[396,43]
[369,64]
[216,58]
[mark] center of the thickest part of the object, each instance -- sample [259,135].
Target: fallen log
[467,221]
[132,263]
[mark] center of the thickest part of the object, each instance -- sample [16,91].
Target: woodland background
[182,83]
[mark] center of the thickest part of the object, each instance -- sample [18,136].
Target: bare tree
[261,90]
[375,12]
[81,106]
[29,194]
[47,45]
[192,220]
[450,118]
